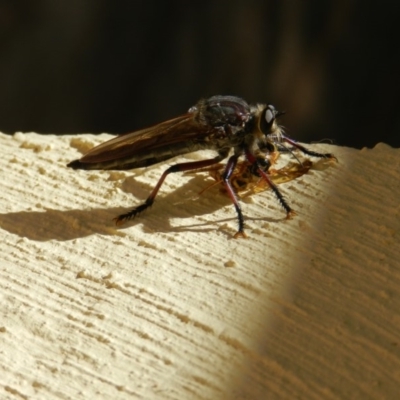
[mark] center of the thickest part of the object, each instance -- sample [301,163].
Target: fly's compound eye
[267,123]
[270,115]
[267,119]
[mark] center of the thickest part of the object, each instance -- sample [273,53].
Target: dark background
[71,66]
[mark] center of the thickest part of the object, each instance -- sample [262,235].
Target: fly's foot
[332,157]
[290,214]
[240,234]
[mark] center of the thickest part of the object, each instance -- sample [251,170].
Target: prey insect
[219,123]
[246,183]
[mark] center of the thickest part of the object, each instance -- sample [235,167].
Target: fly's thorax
[220,111]
[224,137]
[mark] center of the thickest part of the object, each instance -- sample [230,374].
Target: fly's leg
[309,152]
[262,172]
[174,168]
[230,167]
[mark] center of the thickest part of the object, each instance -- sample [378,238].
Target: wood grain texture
[171,307]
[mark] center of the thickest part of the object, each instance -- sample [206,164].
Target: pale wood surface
[171,307]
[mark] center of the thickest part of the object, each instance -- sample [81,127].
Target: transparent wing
[178,130]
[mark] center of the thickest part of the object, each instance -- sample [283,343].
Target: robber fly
[220,123]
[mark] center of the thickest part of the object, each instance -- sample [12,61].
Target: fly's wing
[178,130]
[149,146]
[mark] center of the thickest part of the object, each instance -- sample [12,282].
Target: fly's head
[268,133]
[268,123]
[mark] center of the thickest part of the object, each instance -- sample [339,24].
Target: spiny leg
[253,160]
[309,152]
[174,168]
[230,167]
